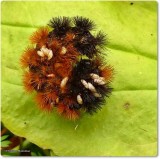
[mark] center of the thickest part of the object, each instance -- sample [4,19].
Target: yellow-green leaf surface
[127,124]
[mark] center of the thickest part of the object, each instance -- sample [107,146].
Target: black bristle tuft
[100,39]
[82,71]
[60,25]
[83,24]
[89,45]
[86,44]
[88,50]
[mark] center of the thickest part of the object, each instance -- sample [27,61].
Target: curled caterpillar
[65,68]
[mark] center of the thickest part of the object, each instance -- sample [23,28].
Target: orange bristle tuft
[33,81]
[37,82]
[26,57]
[55,46]
[45,107]
[26,81]
[46,101]
[107,73]
[71,114]
[64,70]
[67,113]
[61,108]
[72,54]
[69,37]
[40,36]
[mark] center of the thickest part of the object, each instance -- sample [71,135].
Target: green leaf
[33,154]
[5,143]
[127,125]
[4,137]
